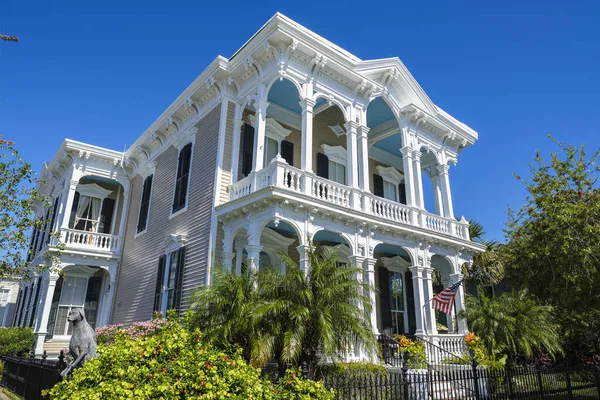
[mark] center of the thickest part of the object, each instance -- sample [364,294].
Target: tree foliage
[297,318]
[513,323]
[553,245]
[487,267]
[18,199]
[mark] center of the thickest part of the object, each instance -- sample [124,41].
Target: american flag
[444,301]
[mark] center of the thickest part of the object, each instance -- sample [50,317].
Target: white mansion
[291,140]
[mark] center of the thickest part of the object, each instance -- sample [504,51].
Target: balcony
[102,242]
[278,174]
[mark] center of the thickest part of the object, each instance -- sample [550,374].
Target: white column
[239,253]
[228,260]
[352,154]
[417,278]
[237,134]
[369,266]
[459,302]
[409,176]
[437,195]
[304,252]
[109,296]
[419,201]
[449,317]
[68,204]
[431,326]
[260,123]
[42,329]
[306,161]
[363,154]
[445,186]
[253,259]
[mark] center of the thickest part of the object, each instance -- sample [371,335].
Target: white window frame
[338,155]
[273,130]
[393,177]
[399,264]
[172,244]
[144,176]
[179,146]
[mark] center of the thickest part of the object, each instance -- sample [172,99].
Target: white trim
[173,242]
[93,190]
[273,129]
[336,154]
[337,130]
[390,174]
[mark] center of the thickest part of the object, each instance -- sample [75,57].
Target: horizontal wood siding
[138,270]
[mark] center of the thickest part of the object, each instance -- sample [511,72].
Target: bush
[414,352]
[16,340]
[108,334]
[172,362]
[292,387]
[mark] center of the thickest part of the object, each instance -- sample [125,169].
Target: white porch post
[445,186]
[260,123]
[253,259]
[369,267]
[239,253]
[235,146]
[307,105]
[228,253]
[352,162]
[304,251]
[431,325]
[449,317]
[417,279]
[42,328]
[419,201]
[459,302]
[363,154]
[68,204]
[437,195]
[109,294]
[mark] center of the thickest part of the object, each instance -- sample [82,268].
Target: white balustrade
[89,240]
[451,343]
[436,223]
[390,210]
[331,192]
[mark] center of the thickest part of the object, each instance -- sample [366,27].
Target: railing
[27,377]
[89,240]
[279,174]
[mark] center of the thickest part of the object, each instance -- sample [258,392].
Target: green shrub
[414,352]
[350,369]
[292,387]
[16,340]
[174,363]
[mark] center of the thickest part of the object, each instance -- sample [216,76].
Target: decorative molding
[173,242]
[93,190]
[337,130]
[273,129]
[336,154]
[390,174]
[396,263]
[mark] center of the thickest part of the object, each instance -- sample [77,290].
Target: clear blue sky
[513,70]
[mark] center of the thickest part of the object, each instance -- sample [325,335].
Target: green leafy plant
[292,387]
[16,340]
[414,352]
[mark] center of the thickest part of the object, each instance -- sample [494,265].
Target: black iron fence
[27,377]
[470,382]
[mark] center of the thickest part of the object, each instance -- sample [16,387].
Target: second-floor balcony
[317,190]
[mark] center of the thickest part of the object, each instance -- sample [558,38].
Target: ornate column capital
[454,278]
[351,127]
[253,248]
[307,104]
[260,105]
[442,168]
[406,152]
[363,131]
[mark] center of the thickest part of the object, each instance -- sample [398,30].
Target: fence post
[568,378]
[540,382]
[475,377]
[595,366]
[404,376]
[304,366]
[509,375]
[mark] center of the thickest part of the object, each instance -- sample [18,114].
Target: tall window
[337,172]
[145,204]
[397,303]
[271,150]
[389,190]
[169,281]
[183,174]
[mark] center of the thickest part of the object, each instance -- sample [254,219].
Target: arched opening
[278,238]
[396,300]
[326,238]
[330,142]
[442,269]
[385,167]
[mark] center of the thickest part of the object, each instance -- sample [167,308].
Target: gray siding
[137,273]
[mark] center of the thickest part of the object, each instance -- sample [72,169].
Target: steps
[54,347]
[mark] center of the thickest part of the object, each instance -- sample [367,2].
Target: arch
[383,97]
[286,221]
[443,264]
[285,93]
[334,101]
[281,78]
[330,236]
[278,237]
[394,250]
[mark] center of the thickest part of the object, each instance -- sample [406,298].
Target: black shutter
[106,214]
[30,252]
[51,229]
[145,204]
[287,152]
[384,291]
[44,231]
[24,302]
[247,149]
[183,171]
[322,165]
[179,279]
[410,303]
[159,282]
[402,193]
[35,301]
[18,309]
[377,185]
[73,210]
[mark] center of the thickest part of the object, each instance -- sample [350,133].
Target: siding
[136,283]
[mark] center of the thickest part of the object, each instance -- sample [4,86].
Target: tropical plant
[414,352]
[513,323]
[487,267]
[16,340]
[175,363]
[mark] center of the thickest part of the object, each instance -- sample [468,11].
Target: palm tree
[488,266]
[513,324]
[317,314]
[225,312]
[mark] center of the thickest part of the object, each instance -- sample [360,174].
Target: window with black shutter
[31,241]
[24,303]
[35,301]
[18,309]
[247,150]
[410,303]
[73,210]
[106,215]
[44,232]
[145,204]
[378,185]
[323,172]
[179,280]
[160,276]
[384,290]
[183,173]
[287,152]
[402,193]
[51,228]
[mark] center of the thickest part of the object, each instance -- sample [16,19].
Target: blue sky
[514,71]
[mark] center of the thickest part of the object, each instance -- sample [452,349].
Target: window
[145,204]
[271,150]
[72,296]
[397,303]
[388,184]
[169,281]
[36,299]
[389,190]
[51,228]
[181,181]
[337,172]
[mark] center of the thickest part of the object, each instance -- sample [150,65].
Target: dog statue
[83,340]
